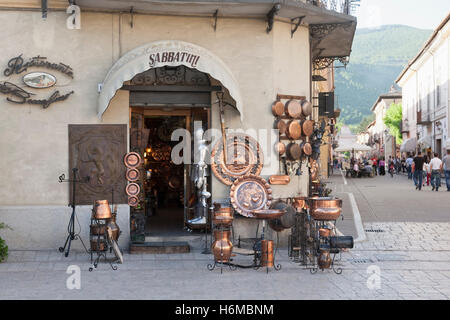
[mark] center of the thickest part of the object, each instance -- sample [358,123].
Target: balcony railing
[341,6]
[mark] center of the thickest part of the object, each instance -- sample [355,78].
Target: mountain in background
[378,56]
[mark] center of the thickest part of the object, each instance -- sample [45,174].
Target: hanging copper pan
[306,108]
[293,151]
[281,126]
[132,159]
[293,109]
[293,130]
[133,201]
[280,148]
[307,127]
[306,148]
[132,174]
[132,189]
[277,108]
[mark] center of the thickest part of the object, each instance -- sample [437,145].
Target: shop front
[148,84]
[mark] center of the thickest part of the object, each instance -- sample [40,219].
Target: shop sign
[38,80]
[174,57]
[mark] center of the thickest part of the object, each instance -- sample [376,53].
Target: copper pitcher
[102,209]
[267,253]
[222,246]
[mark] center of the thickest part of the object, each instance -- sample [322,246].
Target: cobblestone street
[397,260]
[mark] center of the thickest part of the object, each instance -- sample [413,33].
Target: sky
[422,14]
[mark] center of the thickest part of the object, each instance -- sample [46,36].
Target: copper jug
[102,209]
[267,253]
[222,246]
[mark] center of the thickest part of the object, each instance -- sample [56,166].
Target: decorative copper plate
[250,193]
[132,174]
[132,189]
[133,201]
[132,159]
[244,155]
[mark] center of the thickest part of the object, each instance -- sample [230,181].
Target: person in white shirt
[436,169]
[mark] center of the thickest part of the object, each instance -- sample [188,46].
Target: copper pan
[279,179]
[307,127]
[306,148]
[102,210]
[280,148]
[306,108]
[281,126]
[294,130]
[132,174]
[277,108]
[132,189]
[293,109]
[293,151]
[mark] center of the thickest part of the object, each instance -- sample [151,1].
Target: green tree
[393,121]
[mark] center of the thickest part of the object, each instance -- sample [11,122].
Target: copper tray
[250,193]
[132,189]
[132,174]
[132,159]
[133,201]
[244,154]
[268,213]
[279,179]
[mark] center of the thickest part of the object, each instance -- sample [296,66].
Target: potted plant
[3,246]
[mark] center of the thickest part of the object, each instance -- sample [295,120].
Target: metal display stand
[101,239]
[257,247]
[72,235]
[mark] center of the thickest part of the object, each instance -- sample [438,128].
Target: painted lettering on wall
[174,57]
[17,65]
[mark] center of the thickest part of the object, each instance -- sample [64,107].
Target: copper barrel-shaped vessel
[102,210]
[325,208]
[222,246]
[97,229]
[324,260]
[267,253]
[223,216]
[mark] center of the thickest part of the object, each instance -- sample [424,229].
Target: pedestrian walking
[382,165]
[418,170]
[436,169]
[409,162]
[403,164]
[446,161]
[427,169]
[375,165]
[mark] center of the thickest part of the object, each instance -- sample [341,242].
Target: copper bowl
[268,213]
[325,208]
[102,210]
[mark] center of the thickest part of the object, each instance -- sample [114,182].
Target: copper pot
[222,246]
[277,108]
[294,130]
[280,148]
[325,208]
[223,216]
[267,253]
[102,209]
[324,260]
[293,151]
[97,229]
[293,109]
[279,179]
[98,245]
[306,108]
[281,126]
[307,127]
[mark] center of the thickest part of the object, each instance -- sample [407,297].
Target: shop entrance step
[160,247]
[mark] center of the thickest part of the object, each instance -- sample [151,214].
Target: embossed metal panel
[98,151]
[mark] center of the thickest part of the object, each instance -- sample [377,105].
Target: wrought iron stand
[71,227]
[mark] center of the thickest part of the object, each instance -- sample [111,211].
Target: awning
[425,142]
[167,53]
[409,145]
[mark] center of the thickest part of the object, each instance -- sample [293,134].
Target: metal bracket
[44,9]
[296,24]
[132,18]
[271,16]
[215,19]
